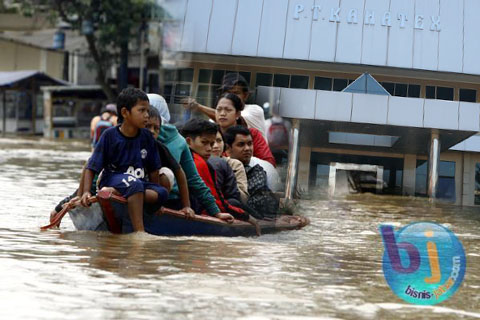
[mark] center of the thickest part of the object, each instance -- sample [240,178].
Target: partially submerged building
[300,55]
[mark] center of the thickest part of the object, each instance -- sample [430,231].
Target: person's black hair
[237,102]
[223,139]
[232,132]
[231,80]
[128,98]
[153,113]
[196,127]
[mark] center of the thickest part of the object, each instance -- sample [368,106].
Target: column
[433,164]
[292,170]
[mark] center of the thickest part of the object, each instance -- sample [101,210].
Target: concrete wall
[17,56]
[417,34]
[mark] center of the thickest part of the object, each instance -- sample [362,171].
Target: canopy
[12,79]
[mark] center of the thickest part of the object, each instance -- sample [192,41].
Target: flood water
[330,270]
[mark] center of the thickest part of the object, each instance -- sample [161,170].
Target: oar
[59,216]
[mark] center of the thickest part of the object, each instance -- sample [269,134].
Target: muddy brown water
[332,269]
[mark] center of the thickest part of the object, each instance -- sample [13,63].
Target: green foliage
[114,22]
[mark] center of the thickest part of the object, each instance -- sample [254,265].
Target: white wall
[397,33]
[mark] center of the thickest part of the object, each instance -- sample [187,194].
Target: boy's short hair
[128,98]
[232,132]
[196,127]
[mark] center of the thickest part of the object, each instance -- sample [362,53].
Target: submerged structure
[414,113]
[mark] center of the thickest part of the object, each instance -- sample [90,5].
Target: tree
[108,27]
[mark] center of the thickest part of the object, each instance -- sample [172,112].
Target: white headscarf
[159,103]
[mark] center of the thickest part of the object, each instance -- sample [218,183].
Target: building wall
[17,56]
[414,34]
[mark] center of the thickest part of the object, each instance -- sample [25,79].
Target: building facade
[300,55]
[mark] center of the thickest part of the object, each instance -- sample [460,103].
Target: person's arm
[241,176]
[196,184]
[182,187]
[87,183]
[230,183]
[184,194]
[192,104]
[154,177]
[261,149]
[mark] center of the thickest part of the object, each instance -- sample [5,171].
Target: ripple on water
[332,269]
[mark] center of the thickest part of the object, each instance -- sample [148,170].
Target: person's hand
[190,104]
[189,213]
[84,201]
[227,217]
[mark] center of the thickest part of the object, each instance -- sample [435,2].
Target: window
[421,178]
[209,81]
[281,80]
[321,83]
[446,180]
[264,79]
[178,84]
[441,93]
[468,95]
[402,89]
[477,184]
[299,82]
[444,93]
[339,84]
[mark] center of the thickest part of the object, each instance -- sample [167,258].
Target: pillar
[292,170]
[433,164]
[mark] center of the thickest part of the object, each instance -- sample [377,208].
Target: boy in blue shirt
[127,154]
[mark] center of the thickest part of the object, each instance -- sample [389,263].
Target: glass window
[446,169]
[167,92]
[468,95]
[477,184]
[390,87]
[181,91]
[205,76]
[414,90]
[430,92]
[281,80]
[400,90]
[339,84]
[446,181]
[217,76]
[185,75]
[169,75]
[299,82]
[421,178]
[444,93]
[264,79]
[323,83]
[246,75]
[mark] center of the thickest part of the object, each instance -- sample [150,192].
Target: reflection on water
[331,269]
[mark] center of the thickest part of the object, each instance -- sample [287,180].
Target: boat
[109,212]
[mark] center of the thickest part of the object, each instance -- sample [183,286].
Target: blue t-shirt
[116,153]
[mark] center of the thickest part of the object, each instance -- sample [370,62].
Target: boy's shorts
[128,185]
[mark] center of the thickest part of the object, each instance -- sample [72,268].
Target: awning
[10,79]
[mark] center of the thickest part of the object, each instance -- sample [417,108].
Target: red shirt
[261,149]
[208,176]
